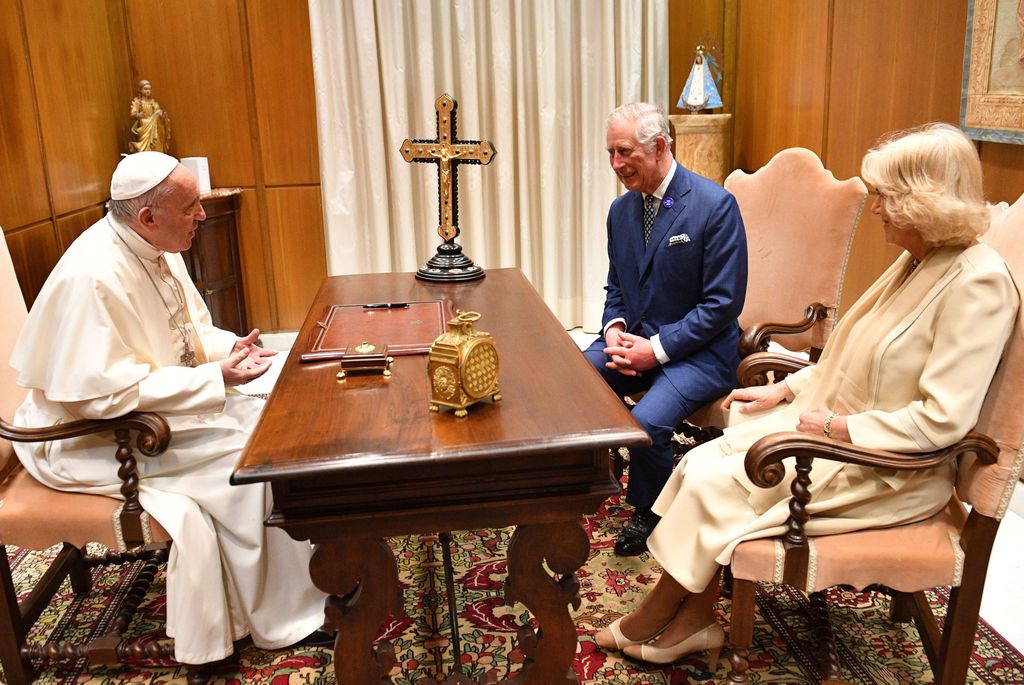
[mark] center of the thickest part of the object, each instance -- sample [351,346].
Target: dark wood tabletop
[369,445]
[355,461]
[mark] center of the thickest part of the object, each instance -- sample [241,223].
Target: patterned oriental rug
[872,649]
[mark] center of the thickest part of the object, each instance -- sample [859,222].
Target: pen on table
[386,305]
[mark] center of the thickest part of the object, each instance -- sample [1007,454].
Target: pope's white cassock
[107,335]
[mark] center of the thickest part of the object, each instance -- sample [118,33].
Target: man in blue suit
[677,277]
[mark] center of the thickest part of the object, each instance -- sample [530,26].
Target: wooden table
[351,463]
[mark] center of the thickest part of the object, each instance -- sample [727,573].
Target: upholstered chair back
[989,488]
[800,222]
[12,313]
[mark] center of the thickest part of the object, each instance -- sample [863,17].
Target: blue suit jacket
[688,285]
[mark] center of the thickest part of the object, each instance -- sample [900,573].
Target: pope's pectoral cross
[447,152]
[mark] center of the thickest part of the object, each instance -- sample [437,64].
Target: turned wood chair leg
[741,631]
[823,627]
[17,671]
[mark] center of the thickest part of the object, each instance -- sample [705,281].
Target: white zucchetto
[139,172]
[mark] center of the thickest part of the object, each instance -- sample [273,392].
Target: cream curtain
[535,77]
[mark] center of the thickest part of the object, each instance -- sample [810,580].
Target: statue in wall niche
[152,127]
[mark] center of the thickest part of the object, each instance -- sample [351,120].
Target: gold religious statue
[446,151]
[152,126]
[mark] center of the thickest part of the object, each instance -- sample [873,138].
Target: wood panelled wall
[833,76]
[59,134]
[236,78]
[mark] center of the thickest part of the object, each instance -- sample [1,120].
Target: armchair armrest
[754,369]
[154,435]
[764,458]
[765,469]
[756,337]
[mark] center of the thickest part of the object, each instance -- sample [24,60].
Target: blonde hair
[929,178]
[650,122]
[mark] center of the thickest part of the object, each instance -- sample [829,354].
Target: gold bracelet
[827,428]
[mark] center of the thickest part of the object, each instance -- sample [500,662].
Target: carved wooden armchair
[951,548]
[800,221]
[36,517]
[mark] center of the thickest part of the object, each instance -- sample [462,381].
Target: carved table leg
[362,578]
[549,651]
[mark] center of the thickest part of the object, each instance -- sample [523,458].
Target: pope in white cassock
[118,327]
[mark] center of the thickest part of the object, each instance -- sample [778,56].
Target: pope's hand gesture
[247,360]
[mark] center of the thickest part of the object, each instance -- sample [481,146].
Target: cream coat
[909,366]
[98,343]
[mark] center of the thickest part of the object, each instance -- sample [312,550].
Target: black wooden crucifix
[447,152]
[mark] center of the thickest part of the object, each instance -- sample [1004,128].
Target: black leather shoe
[632,541]
[318,638]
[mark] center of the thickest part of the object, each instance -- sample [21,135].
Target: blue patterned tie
[649,204]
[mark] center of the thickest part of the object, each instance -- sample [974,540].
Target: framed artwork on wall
[992,100]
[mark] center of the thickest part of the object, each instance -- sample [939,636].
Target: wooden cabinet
[214,264]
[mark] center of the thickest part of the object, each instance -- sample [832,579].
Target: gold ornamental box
[462,366]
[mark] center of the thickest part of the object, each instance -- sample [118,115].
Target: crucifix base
[449,265]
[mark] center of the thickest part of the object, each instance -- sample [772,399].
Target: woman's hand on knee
[759,397]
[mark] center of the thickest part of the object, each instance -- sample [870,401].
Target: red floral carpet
[872,649]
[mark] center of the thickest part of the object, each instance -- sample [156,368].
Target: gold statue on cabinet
[462,366]
[152,126]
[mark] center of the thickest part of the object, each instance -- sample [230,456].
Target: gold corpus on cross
[447,152]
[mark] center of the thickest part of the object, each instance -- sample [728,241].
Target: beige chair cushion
[988,488]
[37,517]
[906,558]
[13,314]
[795,210]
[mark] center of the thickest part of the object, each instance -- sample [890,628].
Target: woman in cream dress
[906,370]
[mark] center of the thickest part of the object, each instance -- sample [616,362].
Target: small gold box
[462,366]
[365,358]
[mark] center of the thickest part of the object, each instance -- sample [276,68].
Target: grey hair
[127,211]
[650,122]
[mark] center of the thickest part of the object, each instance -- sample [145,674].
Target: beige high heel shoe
[621,641]
[709,639]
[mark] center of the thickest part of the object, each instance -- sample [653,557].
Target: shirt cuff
[659,351]
[604,331]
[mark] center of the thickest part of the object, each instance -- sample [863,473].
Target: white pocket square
[676,239]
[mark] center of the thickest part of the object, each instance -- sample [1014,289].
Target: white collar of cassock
[134,241]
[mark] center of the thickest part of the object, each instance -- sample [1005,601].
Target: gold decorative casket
[462,366]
